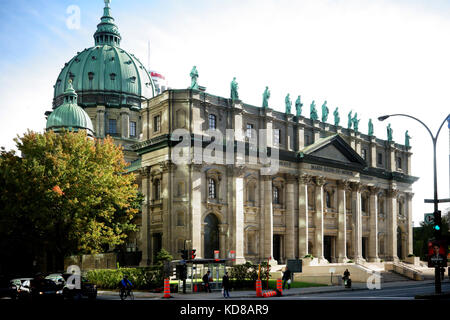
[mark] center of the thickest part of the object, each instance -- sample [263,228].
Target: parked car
[38,288]
[6,289]
[67,288]
[15,284]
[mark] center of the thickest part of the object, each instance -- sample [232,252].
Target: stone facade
[338,194]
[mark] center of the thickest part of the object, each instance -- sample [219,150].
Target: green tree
[67,193]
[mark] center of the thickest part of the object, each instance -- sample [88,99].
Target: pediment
[334,149]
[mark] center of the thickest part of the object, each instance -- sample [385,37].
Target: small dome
[69,115]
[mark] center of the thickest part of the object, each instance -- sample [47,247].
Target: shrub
[410,255]
[245,275]
[142,278]
[309,256]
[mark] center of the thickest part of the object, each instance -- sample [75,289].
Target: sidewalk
[251,294]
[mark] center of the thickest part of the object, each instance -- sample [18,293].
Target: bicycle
[126,294]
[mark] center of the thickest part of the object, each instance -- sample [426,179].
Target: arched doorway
[211,239]
[399,243]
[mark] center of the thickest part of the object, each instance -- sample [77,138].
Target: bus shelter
[197,268]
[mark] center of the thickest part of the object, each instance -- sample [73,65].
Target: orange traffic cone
[258,288]
[167,289]
[280,286]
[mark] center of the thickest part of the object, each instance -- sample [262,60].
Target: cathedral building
[338,194]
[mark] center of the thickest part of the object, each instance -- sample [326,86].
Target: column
[223,228]
[145,227]
[373,153]
[290,216]
[303,215]
[168,242]
[268,218]
[238,201]
[318,219]
[391,157]
[356,212]
[373,225]
[100,130]
[409,221]
[391,245]
[343,186]
[196,210]
[125,122]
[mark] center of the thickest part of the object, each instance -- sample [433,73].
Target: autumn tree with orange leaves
[67,193]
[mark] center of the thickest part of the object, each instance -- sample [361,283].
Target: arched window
[276,195]
[211,188]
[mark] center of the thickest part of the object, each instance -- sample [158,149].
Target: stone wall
[92,261]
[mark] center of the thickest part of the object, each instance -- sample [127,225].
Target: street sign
[428,218]
[295,265]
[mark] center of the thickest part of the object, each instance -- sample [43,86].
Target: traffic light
[184,254]
[193,254]
[437,222]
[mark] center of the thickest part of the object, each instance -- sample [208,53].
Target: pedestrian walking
[346,278]
[206,279]
[286,278]
[226,285]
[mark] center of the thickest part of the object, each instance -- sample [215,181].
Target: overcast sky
[373,57]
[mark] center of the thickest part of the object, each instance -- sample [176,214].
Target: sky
[372,57]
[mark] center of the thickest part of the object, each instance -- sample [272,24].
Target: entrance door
[327,248]
[277,247]
[211,240]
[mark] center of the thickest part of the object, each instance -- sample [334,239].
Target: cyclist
[125,286]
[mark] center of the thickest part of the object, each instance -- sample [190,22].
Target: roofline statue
[313,111]
[325,111]
[194,76]
[266,96]
[355,122]
[337,119]
[349,122]
[234,89]
[389,132]
[298,107]
[407,138]
[370,133]
[288,103]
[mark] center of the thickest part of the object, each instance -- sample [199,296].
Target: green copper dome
[105,74]
[69,115]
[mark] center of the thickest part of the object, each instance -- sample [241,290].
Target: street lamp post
[435,199]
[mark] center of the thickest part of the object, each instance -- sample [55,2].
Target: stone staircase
[390,276]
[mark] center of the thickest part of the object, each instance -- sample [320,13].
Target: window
[112,75]
[211,188]
[399,162]
[180,219]
[156,123]
[380,158]
[112,126]
[251,192]
[212,121]
[307,140]
[328,199]
[364,204]
[133,128]
[180,189]
[276,195]
[364,154]
[249,130]
[157,189]
[276,137]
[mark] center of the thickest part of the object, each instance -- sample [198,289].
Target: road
[397,292]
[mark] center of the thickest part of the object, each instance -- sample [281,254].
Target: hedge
[142,278]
